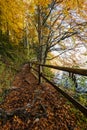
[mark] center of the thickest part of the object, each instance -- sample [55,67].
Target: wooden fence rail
[67,69]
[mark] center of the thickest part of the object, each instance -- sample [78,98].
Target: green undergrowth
[81,119]
[49,74]
[70,88]
[12,56]
[7,74]
[82,98]
[6,77]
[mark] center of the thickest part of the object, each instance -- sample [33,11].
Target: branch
[52,6]
[65,35]
[61,53]
[56,20]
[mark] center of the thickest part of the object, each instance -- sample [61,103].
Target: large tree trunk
[7,32]
[40,35]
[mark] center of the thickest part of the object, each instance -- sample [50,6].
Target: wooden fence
[67,69]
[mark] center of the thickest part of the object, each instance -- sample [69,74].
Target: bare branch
[51,8]
[61,53]
[66,35]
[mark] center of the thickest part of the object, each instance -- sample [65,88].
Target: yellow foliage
[12,16]
[42,2]
[15,12]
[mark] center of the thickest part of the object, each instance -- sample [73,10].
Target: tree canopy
[42,25]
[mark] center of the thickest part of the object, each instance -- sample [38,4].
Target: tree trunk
[7,32]
[39,34]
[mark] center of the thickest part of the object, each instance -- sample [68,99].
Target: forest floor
[29,106]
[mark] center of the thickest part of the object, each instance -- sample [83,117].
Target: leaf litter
[30,106]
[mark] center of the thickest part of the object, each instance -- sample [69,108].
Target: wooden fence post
[30,66]
[73,77]
[39,73]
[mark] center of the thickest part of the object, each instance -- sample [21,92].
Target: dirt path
[30,106]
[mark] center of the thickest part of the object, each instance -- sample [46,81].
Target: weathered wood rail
[67,69]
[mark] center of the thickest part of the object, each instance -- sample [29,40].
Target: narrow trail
[29,106]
